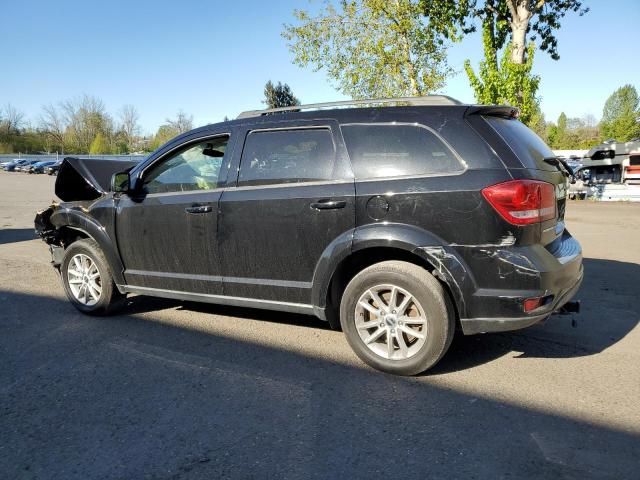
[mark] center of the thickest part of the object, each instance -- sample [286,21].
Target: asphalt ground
[170,389]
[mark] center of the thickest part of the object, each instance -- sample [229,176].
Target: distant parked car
[11,167]
[24,168]
[7,162]
[53,169]
[40,166]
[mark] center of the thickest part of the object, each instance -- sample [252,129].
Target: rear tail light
[523,202]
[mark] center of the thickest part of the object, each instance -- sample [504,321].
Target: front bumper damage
[50,234]
[80,183]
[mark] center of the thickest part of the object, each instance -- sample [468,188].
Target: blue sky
[212,58]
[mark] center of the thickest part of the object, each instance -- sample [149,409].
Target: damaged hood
[83,179]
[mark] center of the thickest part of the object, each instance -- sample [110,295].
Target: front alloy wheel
[87,279]
[84,279]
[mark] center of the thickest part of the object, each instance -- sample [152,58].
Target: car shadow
[131,397]
[13,235]
[609,311]
[143,304]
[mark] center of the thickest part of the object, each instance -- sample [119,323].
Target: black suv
[399,221]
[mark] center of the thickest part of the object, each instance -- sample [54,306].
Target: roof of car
[428,100]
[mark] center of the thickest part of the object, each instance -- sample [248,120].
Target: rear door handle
[328,204]
[199,209]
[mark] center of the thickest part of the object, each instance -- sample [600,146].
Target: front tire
[397,317]
[87,279]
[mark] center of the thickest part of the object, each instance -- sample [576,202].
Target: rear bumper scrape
[472,326]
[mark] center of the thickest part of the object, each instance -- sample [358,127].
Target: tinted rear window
[396,150]
[287,156]
[528,147]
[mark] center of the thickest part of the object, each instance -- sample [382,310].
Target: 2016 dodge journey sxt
[400,221]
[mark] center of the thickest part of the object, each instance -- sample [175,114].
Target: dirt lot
[181,390]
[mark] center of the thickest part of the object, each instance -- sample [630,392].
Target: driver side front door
[167,230]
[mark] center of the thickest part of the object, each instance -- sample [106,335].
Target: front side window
[390,150]
[196,167]
[287,156]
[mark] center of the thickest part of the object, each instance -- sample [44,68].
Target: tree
[505,82]
[512,25]
[11,120]
[280,95]
[53,127]
[561,131]
[621,115]
[573,133]
[99,145]
[518,22]
[371,48]
[163,135]
[129,126]
[538,124]
[182,123]
[85,117]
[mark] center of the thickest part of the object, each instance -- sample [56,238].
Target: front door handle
[328,204]
[199,209]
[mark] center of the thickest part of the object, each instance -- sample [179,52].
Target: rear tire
[397,317]
[87,279]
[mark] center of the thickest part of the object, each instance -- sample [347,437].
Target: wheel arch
[73,223]
[376,243]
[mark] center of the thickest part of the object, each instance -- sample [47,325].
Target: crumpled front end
[82,185]
[82,179]
[50,234]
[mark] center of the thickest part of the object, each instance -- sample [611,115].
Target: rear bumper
[472,326]
[504,277]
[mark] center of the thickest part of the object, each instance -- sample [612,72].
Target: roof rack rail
[410,101]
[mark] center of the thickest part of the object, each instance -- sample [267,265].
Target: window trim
[165,155]
[334,160]
[460,160]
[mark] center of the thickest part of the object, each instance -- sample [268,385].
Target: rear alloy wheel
[397,317]
[391,322]
[87,279]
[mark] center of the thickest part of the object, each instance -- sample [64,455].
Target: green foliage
[163,135]
[538,124]
[513,27]
[280,95]
[573,133]
[621,115]
[517,21]
[371,48]
[99,145]
[505,82]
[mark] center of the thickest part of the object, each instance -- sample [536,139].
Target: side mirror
[120,182]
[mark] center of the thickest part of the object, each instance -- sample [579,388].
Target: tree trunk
[519,37]
[520,16]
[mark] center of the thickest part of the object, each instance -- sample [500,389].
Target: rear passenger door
[294,195]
